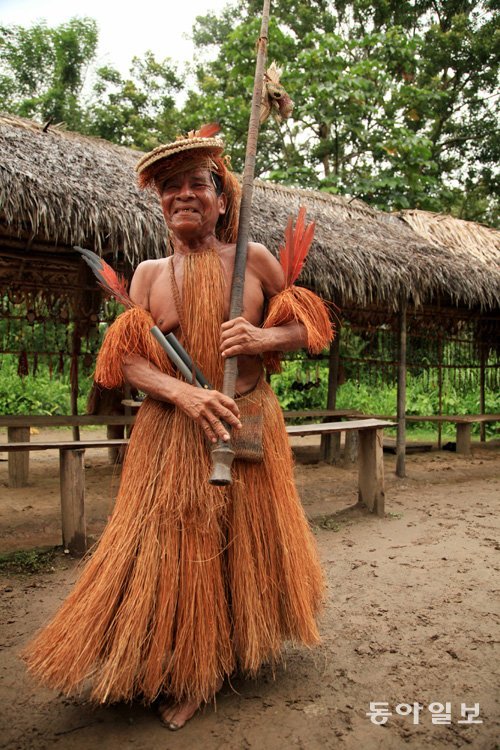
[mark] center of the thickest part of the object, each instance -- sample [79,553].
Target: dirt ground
[411,616]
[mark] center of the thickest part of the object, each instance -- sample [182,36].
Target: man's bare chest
[165,296]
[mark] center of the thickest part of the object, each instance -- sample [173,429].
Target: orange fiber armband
[302,305]
[129,334]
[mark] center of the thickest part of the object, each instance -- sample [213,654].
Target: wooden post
[440,387]
[19,461]
[482,383]
[350,447]
[464,434]
[115,452]
[401,434]
[80,302]
[371,490]
[330,444]
[72,471]
[74,410]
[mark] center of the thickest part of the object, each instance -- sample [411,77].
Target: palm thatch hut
[399,272]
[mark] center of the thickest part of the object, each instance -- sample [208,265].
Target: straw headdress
[199,148]
[203,139]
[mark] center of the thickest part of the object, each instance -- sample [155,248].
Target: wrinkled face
[190,204]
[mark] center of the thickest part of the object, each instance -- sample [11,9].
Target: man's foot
[175,715]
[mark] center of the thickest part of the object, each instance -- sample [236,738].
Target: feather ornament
[209,130]
[107,278]
[297,244]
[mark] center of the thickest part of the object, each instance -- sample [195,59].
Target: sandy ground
[411,616]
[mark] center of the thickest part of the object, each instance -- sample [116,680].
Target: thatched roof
[462,237]
[362,256]
[67,189]
[58,189]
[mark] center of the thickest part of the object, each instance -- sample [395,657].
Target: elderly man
[191,582]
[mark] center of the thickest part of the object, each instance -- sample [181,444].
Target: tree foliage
[396,101]
[42,69]
[137,111]
[43,72]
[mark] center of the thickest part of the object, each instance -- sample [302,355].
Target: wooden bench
[328,415]
[18,431]
[72,479]
[463,424]
[330,441]
[371,490]
[72,471]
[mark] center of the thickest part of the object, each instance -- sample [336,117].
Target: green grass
[38,560]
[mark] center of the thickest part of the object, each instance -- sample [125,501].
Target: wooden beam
[401,436]
[482,387]
[72,476]
[57,420]
[371,490]
[440,388]
[18,462]
[330,444]
[350,447]
[464,434]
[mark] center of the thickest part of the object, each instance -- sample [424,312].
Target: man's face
[190,204]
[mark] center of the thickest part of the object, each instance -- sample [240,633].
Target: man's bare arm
[241,337]
[207,408]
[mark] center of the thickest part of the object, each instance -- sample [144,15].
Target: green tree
[395,101]
[42,69]
[139,110]
[42,75]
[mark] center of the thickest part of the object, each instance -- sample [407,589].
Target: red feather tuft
[112,284]
[297,244]
[208,130]
[107,279]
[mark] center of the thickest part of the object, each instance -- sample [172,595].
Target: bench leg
[464,434]
[330,448]
[350,447]
[371,470]
[19,461]
[72,472]
[115,453]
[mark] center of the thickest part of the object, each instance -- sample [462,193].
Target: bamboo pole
[401,434]
[222,454]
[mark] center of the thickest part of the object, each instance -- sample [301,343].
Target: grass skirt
[189,581]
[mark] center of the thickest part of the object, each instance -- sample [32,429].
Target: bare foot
[175,715]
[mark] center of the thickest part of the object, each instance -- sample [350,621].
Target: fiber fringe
[188,582]
[129,334]
[302,305]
